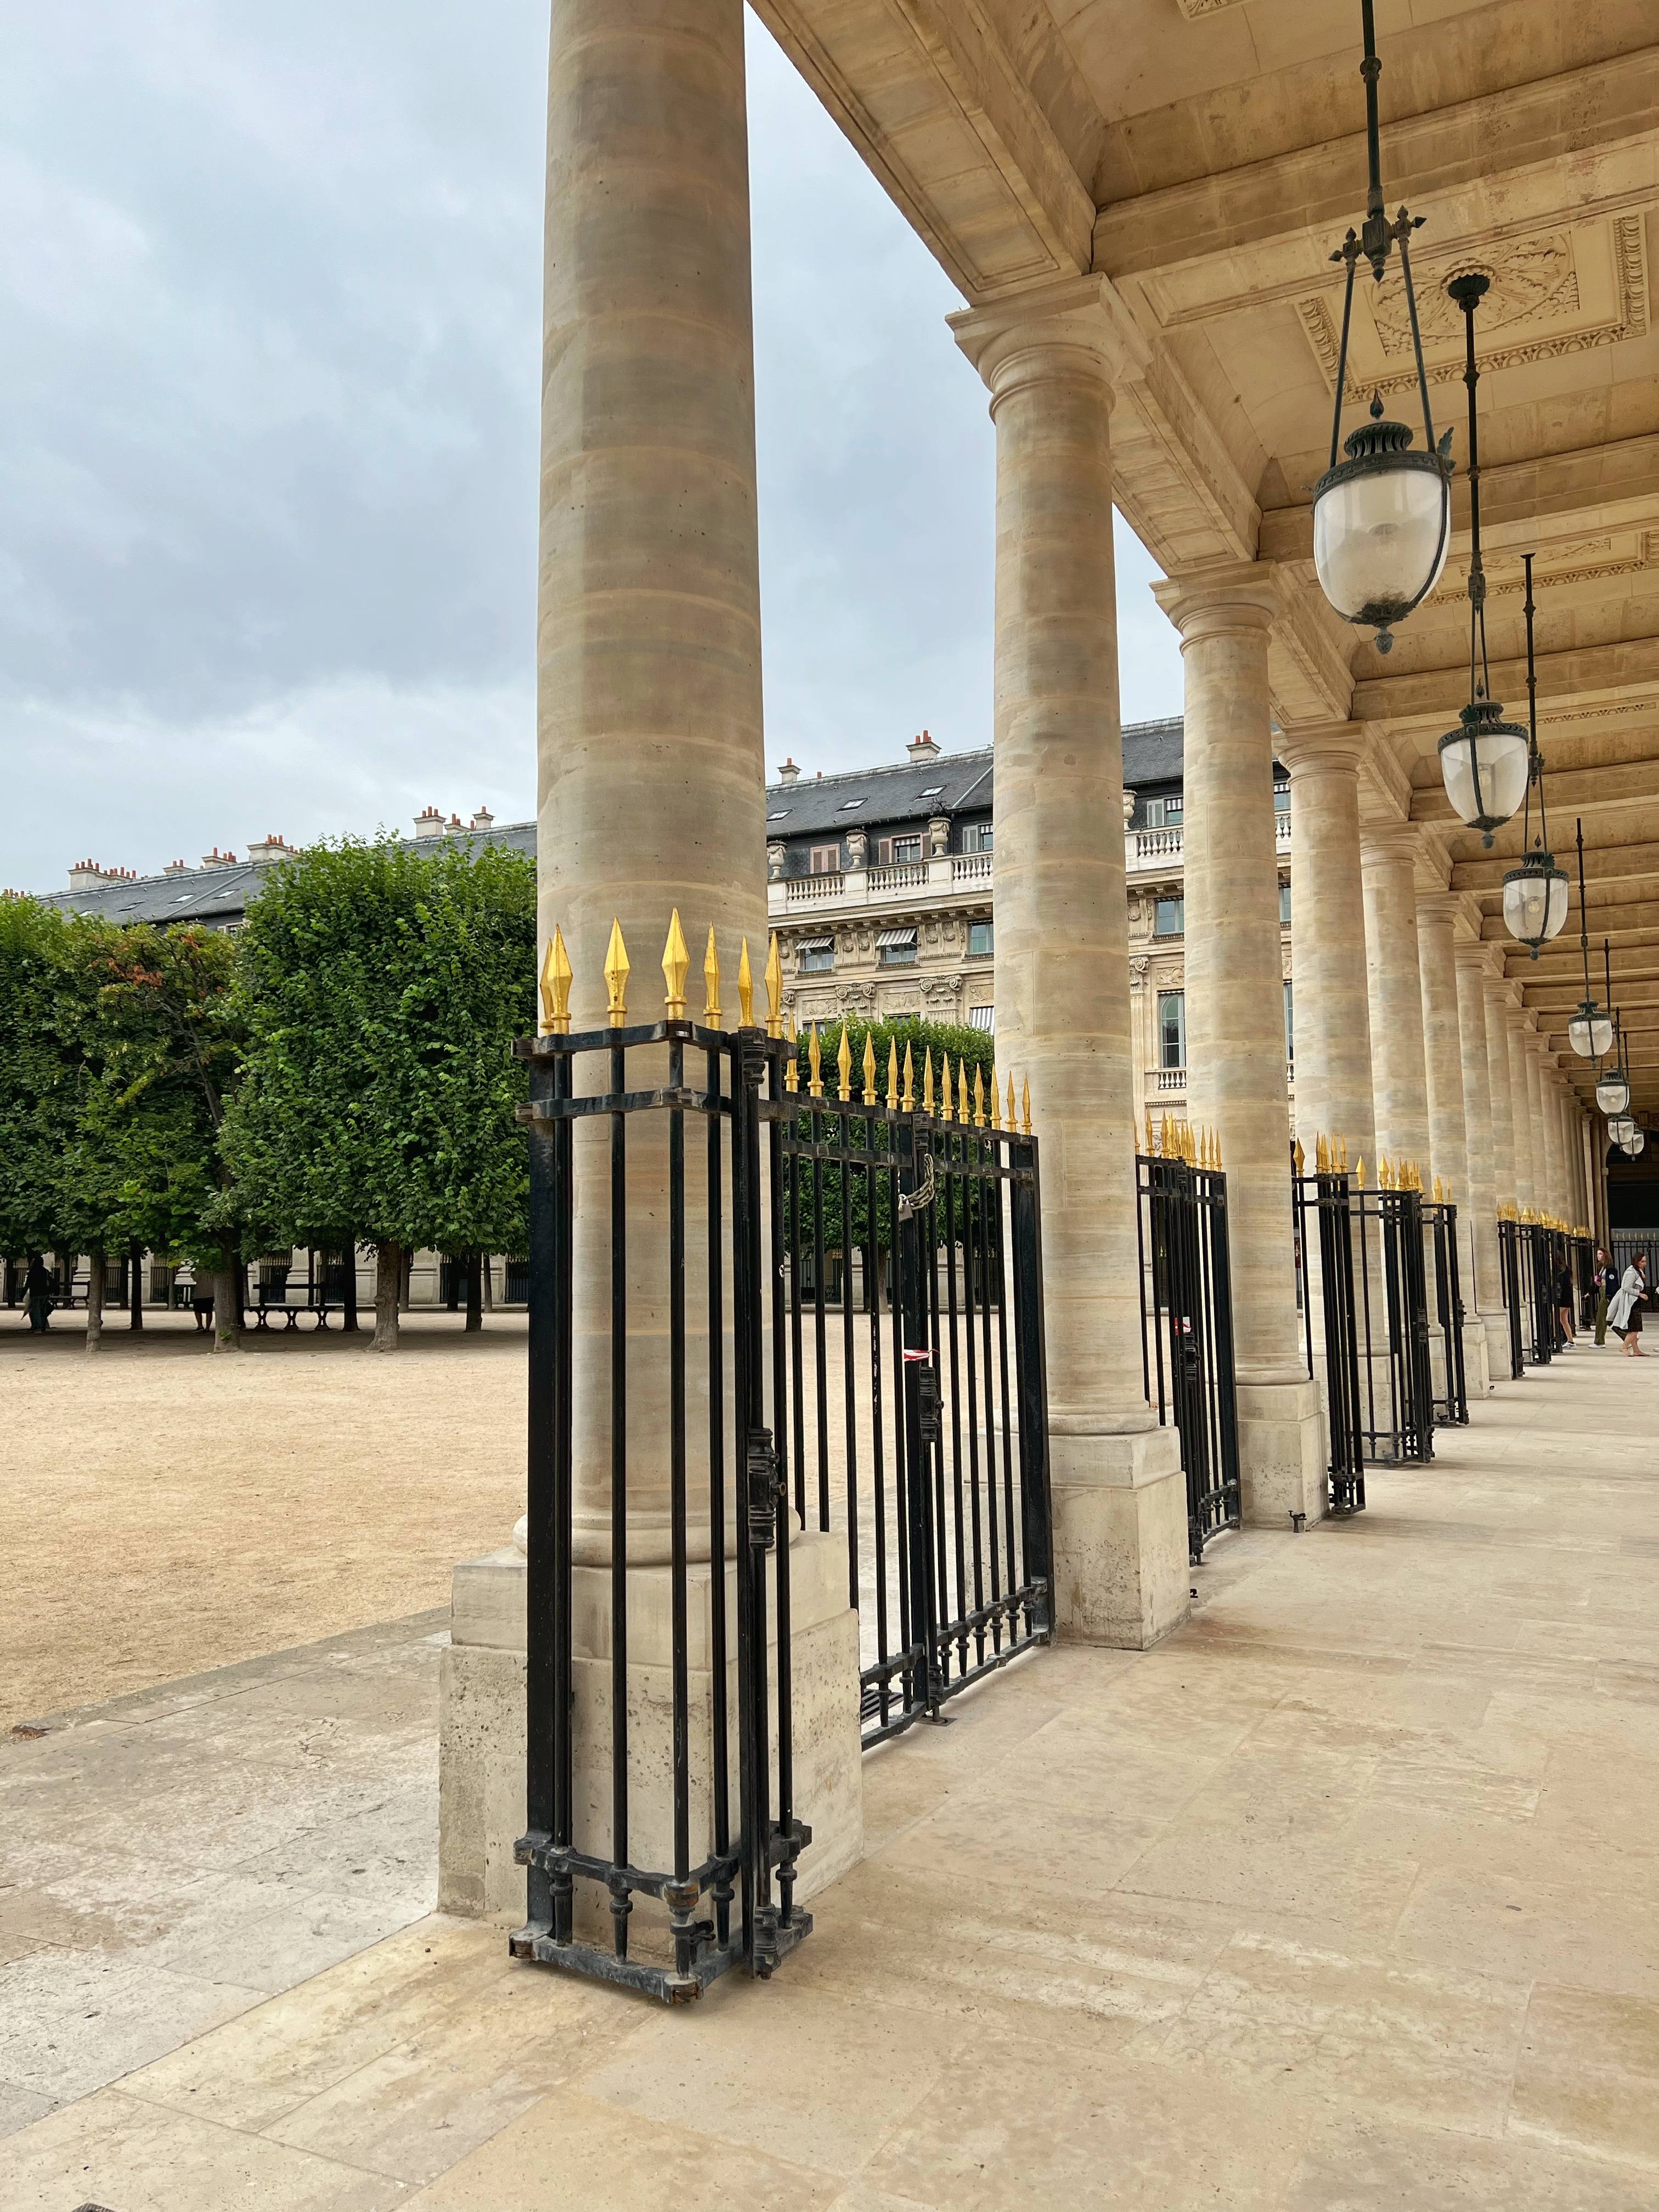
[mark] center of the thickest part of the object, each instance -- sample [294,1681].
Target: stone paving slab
[1340,1901]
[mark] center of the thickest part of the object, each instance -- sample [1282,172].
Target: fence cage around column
[1365,1328]
[1186,1331]
[1451,1404]
[918,1432]
[1515,1277]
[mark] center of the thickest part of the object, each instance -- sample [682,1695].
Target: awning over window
[981,1017]
[816,944]
[887,937]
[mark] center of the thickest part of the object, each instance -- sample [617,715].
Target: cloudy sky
[268,279]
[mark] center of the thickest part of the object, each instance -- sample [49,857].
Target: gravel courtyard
[168,1511]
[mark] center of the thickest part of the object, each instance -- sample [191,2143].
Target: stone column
[1062,977]
[1399,1069]
[1236,1014]
[1542,1182]
[1488,1301]
[1333,1083]
[1498,1080]
[1140,1045]
[1515,1034]
[1549,1099]
[1437,917]
[650,797]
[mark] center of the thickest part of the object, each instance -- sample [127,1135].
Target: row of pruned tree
[337,1072]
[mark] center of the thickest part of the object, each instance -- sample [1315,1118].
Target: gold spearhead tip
[927,1080]
[870,1092]
[1300,1156]
[996,1099]
[675,967]
[1009,1120]
[962,1089]
[1359,1172]
[892,1075]
[711,984]
[774,989]
[909,1082]
[555,989]
[615,975]
[979,1097]
[1025,1107]
[844,1063]
[745,989]
[946,1107]
[1344,1165]
[814,1064]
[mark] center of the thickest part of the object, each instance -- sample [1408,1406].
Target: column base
[1477,1367]
[481,1757]
[1120,1553]
[1282,1463]
[1497,1326]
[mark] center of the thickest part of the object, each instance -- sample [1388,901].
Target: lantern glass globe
[1382,526]
[1612,1093]
[1536,902]
[1621,1129]
[1635,1144]
[1590,1031]
[1484,764]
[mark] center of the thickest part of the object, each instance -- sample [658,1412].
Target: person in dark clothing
[37,1295]
[1604,1281]
[1564,1307]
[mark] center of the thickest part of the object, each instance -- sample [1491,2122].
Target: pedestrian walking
[37,1295]
[1625,1313]
[1564,1331]
[1604,1281]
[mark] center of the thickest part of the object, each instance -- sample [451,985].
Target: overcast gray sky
[269,284]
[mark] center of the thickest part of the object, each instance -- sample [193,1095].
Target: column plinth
[1235,987]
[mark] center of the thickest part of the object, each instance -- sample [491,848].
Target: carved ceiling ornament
[1591,282]
[1196,11]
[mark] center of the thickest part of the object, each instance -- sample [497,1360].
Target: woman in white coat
[1625,1313]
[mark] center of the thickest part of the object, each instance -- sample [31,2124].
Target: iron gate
[1510,1268]
[1451,1409]
[1187,1323]
[948,1564]
[921,1209]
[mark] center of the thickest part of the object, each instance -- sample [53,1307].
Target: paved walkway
[1343,1898]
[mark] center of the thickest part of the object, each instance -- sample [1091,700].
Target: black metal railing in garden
[917,1395]
[918,1432]
[1362,1291]
[1186,1318]
[1451,1404]
[1511,1275]
[1526,1248]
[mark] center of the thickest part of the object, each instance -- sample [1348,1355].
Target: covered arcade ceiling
[1191,164]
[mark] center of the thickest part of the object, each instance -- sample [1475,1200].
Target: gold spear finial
[962,1091]
[791,1065]
[1149,1133]
[844,1062]
[711,984]
[979,1097]
[1009,1122]
[871,1096]
[1319,1154]
[908,1104]
[814,1064]
[996,1099]
[555,989]
[927,1080]
[774,989]
[892,1075]
[745,989]
[1026,1106]
[947,1104]
[675,967]
[615,975]
[1359,1173]
[1343,1168]
[1298,1155]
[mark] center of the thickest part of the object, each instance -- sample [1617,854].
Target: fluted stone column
[1334,1080]
[1488,1301]
[650,797]
[1526,1188]
[1062,980]
[1436,916]
[1498,1080]
[1394,980]
[1542,1181]
[1235,1014]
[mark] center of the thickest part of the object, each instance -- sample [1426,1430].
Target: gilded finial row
[556,976]
[1174,1140]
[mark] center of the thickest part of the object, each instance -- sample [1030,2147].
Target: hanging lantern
[1381,517]
[1485,761]
[1621,1129]
[1635,1144]
[1536,893]
[1589,1031]
[1612,1093]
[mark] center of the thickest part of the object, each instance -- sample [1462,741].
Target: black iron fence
[1362,1291]
[1451,1403]
[1528,1251]
[1186,1318]
[917,1389]
[918,1432]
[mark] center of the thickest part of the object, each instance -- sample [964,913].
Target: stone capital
[1469,953]
[1222,599]
[1321,749]
[1381,843]
[1073,329]
[1436,907]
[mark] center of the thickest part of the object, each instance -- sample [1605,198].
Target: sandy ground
[165,1511]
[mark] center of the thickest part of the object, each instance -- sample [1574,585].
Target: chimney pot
[788,773]
[922,749]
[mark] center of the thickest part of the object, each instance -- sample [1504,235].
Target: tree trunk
[405,1278]
[486,1266]
[348,1317]
[475,1290]
[388,1283]
[94,1300]
[227,1304]
[136,1287]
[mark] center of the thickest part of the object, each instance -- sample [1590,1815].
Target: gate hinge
[765,1489]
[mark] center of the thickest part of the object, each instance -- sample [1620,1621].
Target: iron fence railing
[1187,1326]
[1451,1404]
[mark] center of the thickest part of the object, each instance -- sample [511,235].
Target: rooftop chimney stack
[788,773]
[270,848]
[430,823]
[215,858]
[922,749]
[484,819]
[175,868]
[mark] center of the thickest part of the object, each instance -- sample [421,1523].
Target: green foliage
[381,988]
[44,1011]
[821,1186]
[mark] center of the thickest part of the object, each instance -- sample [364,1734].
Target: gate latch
[765,1488]
[927,1395]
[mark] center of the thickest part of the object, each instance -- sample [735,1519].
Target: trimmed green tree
[381,987]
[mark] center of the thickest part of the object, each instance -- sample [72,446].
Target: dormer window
[848,805]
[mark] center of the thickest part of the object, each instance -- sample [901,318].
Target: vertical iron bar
[722,1748]
[621,1900]
[681,1678]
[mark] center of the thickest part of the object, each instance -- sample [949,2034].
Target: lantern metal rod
[1583,913]
[1469,291]
[1535,770]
